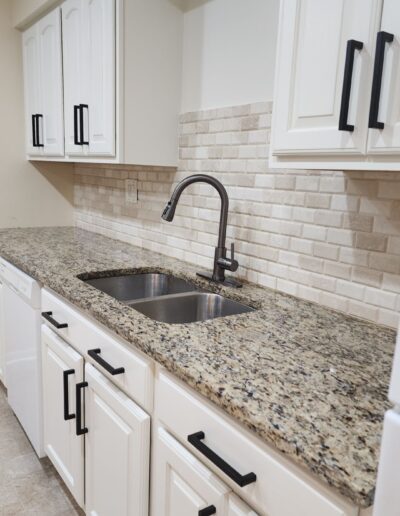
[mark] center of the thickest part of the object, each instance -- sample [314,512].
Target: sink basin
[139,286]
[190,307]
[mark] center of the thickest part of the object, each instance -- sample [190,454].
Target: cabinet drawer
[281,488]
[84,335]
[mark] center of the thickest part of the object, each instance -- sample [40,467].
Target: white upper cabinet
[108,75]
[89,77]
[314,39]
[337,85]
[43,87]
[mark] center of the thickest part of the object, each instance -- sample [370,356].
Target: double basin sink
[166,298]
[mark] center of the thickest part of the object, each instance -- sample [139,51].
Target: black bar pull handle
[381,40]
[34,144]
[38,118]
[196,440]
[49,318]
[77,140]
[79,429]
[95,354]
[352,46]
[82,126]
[67,414]
[207,511]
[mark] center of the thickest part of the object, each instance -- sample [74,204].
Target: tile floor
[28,486]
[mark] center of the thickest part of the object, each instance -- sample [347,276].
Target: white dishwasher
[22,321]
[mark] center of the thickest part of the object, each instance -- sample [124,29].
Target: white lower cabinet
[202,461]
[62,370]
[117,450]
[97,438]
[181,484]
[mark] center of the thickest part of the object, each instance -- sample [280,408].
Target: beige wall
[25,11]
[29,195]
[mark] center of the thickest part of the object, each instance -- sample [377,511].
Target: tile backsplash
[329,237]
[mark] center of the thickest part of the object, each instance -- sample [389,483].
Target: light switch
[131,191]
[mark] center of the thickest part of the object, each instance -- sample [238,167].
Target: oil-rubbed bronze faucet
[221,261]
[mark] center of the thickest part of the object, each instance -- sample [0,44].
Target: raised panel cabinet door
[237,507]
[50,52]
[62,370]
[313,41]
[386,138]
[181,484]
[31,64]
[117,450]
[75,72]
[101,45]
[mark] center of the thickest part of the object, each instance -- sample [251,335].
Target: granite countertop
[308,380]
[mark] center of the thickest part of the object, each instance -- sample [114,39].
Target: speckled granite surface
[308,380]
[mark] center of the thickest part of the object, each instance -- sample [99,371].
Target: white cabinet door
[386,139]
[89,76]
[181,484]
[117,450]
[31,63]
[51,91]
[74,52]
[101,77]
[312,46]
[237,507]
[2,343]
[62,370]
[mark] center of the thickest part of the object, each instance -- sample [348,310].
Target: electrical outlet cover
[131,191]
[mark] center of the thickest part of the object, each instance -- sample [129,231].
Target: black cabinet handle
[76,126]
[38,118]
[207,511]
[352,46]
[381,40]
[95,354]
[79,429]
[66,374]
[82,129]
[34,144]
[241,480]
[48,317]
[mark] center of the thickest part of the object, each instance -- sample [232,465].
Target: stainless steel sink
[130,287]
[190,307]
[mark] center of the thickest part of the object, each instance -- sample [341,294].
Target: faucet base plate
[229,282]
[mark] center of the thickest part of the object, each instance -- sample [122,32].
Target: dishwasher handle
[49,318]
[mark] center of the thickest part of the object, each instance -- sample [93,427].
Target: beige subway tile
[388,190]
[385,262]
[333,301]
[317,200]
[328,251]
[378,297]
[391,282]
[371,241]
[338,270]
[363,310]
[367,276]
[389,318]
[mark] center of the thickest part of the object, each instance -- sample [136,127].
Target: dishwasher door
[23,364]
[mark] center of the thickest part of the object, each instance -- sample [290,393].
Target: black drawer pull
[66,374]
[241,480]
[79,429]
[352,46]
[95,354]
[381,40]
[207,511]
[48,317]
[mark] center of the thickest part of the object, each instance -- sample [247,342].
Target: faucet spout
[221,261]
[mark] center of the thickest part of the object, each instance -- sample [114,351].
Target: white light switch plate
[131,191]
